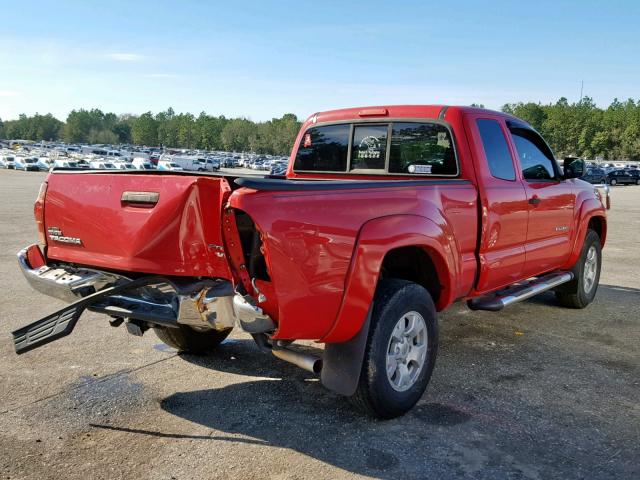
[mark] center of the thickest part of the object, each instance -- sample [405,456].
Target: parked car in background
[278,169]
[44,164]
[169,166]
[635,173]
[9,162]
[621,177]
[124,166]
[142,164]
[65,164]
[594,175]
[101,165]
[28,164]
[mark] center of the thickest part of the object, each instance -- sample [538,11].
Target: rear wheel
[581,291]
[401,350]
[186,339]
[637,181]
[613,181]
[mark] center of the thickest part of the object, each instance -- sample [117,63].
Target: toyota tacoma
[385,216]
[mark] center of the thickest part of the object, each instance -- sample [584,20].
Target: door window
[536,158]
[496,149]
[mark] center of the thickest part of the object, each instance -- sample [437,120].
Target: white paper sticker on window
[419,168]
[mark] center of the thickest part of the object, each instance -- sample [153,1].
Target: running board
[519,292]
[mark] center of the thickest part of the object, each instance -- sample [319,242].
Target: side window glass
[422,149]
[496,149]
[323,149]
[536,159]
[369,147]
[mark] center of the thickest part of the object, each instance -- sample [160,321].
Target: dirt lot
[534,392]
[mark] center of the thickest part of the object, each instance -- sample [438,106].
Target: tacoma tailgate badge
[56,235]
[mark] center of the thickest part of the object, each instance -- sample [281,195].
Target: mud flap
[61,323]
[342,362]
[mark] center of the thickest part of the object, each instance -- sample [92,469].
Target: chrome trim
[140,197]
[519,292]
[545,283]
[251,318]
[206,310]
[203,305]
[65,283]
[306,361]
[603,192]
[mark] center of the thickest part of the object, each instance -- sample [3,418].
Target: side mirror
[573,167]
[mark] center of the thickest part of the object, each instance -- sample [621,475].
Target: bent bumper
[65,283]
[207,304]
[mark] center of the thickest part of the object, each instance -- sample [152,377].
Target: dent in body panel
[310,239]
[171,238]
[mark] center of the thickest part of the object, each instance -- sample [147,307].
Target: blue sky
[262,59]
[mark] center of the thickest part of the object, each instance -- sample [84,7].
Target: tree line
[580,128]
[166,128]
[583,129]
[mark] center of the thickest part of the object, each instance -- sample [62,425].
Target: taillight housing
[38,212]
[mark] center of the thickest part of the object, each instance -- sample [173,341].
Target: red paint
[324,249]
[171,238]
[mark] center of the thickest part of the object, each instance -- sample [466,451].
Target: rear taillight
[38,212]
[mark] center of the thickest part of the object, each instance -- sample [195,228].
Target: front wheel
[401,350]
[186,339]
[638,181]
[613,181]
[581,291]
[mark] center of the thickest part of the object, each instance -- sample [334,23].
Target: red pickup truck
[386,215]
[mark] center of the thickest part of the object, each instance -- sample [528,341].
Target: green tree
[144,130]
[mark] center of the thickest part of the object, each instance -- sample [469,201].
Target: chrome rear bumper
[202,304]
[64,283]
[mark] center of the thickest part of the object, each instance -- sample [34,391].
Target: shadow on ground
[500,409]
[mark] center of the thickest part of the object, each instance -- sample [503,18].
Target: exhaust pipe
[308,362]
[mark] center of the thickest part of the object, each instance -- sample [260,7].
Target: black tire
[577,293]
[613,181]
[375,394]
[186,339]
[638,181]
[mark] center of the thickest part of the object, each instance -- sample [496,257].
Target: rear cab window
[413,148]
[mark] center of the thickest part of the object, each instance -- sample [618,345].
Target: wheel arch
[591,215]
[384,249]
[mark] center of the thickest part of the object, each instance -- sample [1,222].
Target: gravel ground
[533,392]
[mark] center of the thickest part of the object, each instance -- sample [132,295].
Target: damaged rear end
[148,250]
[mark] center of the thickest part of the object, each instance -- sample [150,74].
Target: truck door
[551,202]
[504,214]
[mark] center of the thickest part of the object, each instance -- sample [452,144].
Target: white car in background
[101,165]
[10,162]
[142,164]
[169,166]
[124,166]
[65,164]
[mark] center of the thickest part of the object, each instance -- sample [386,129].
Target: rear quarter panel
[311,237]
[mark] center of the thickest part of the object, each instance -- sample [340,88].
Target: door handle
[534,200]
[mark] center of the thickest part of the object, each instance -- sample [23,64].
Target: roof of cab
[392,111]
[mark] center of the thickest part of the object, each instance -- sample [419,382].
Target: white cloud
[9,93]
[124,57]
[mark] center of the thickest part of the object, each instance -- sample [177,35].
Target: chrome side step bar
[519,292]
